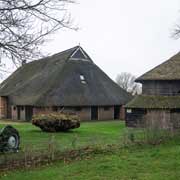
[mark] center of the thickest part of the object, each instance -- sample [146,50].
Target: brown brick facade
[122,113]
[3,107]
[106,113]
[41,110]
[84,113]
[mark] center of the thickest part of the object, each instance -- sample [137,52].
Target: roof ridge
[164,62]
[67,50]
[73,49]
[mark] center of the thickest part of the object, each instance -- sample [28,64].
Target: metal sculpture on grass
[9,139]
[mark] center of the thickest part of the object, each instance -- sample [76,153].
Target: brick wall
[41,110]
[84,113]
[122,113]
[105,113]
[3,107]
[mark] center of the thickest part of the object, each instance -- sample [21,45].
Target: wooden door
[116,112]
[18,112]
[29,113]
[94,113]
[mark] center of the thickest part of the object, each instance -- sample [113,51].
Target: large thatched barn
[159,104]
[67,81]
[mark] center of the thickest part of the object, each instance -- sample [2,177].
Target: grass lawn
[132,163]
[88,134]
[146,163]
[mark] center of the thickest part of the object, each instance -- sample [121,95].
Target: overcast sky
[122,35]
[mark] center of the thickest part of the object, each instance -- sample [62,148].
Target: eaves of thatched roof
[155,102]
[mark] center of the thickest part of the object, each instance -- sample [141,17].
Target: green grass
[88,134]
[145,163]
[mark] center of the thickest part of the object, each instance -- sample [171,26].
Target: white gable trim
[79,49]
[80,59]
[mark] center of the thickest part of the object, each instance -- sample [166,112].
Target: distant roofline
[142,78]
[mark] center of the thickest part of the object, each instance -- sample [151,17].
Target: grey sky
[122,35]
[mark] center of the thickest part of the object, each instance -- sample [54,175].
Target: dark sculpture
[9,139]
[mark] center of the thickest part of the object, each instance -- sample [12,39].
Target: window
[83,82]
[82,78]
[22,108]
[129,111]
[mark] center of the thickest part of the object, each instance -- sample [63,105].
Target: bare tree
[176,32]
[127,82]
[25,25]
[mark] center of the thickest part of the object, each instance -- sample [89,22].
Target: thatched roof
[56,81]
[168,70]
[155,102]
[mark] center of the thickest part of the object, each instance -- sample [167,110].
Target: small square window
[129,111]
[83,82]
[82,78]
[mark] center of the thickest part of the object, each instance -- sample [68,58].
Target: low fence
[32,156]
[29,157]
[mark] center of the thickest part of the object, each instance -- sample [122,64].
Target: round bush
[55,122]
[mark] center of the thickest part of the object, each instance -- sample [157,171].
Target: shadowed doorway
[94,113]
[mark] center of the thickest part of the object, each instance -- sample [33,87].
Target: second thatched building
[159,104]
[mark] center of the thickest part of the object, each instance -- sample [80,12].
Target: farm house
[159,104]
[68,81]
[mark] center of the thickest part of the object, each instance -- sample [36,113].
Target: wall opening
[18,112]
[116,112]
[94,113]
[29,113]
[178,93]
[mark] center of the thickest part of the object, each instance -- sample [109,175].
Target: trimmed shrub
[55,122]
